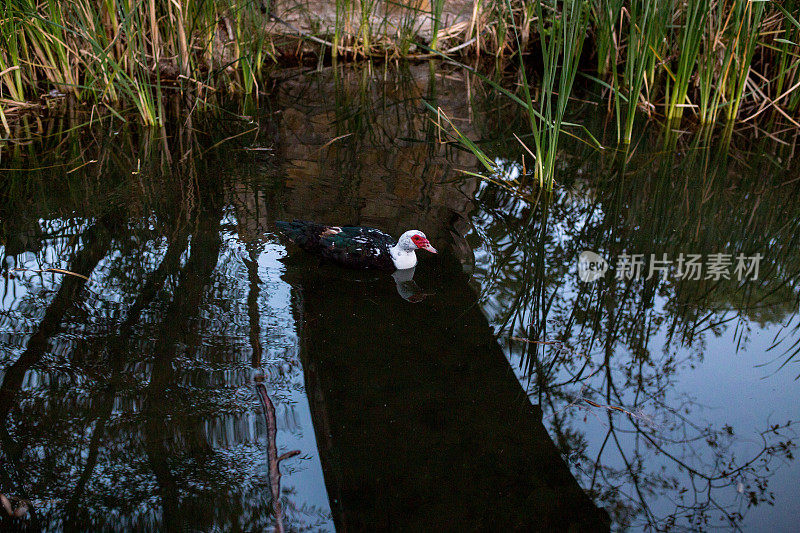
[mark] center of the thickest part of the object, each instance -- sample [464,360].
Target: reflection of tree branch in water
[561,350]
[72,395]
[272,455]
[186,302]
[724,470]
[252,303]
[116,356]
[649,389]
[53,270]
[645,485]
[608,331]
[97,239]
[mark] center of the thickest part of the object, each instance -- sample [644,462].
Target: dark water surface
[207,365]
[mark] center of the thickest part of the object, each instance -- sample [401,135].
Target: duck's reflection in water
[407,288]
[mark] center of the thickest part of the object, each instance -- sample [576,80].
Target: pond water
[206,374]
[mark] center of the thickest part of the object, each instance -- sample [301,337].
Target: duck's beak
[430,248]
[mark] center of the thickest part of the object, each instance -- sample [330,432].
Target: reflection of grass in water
[698,223]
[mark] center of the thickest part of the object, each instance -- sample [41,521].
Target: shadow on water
[421,421]
[207,375]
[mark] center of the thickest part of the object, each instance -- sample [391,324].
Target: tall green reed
[437,6]
[365,25]
[565,40]
[656,54]
[787,74]
[561,43]
[747,16]
[604,17]
[647,26]
[691,37]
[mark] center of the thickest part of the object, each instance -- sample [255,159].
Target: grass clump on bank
[723,62]
[115,52]
[704,61]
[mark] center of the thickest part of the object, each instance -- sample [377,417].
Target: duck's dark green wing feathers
[353,246]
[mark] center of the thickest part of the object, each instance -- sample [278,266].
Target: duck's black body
[351,246]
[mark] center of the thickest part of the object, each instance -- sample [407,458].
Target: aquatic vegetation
[702,55]
[117,52]
[723,60]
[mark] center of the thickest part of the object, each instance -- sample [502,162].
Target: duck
[357,246]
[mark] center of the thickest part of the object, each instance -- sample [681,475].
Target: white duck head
[404,252]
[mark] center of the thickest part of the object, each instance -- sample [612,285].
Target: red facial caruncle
[421,242]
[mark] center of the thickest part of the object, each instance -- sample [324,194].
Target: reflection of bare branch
[53,270]
[252,306]
[272,455]
[562,351]
[85,260]
[622,318]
